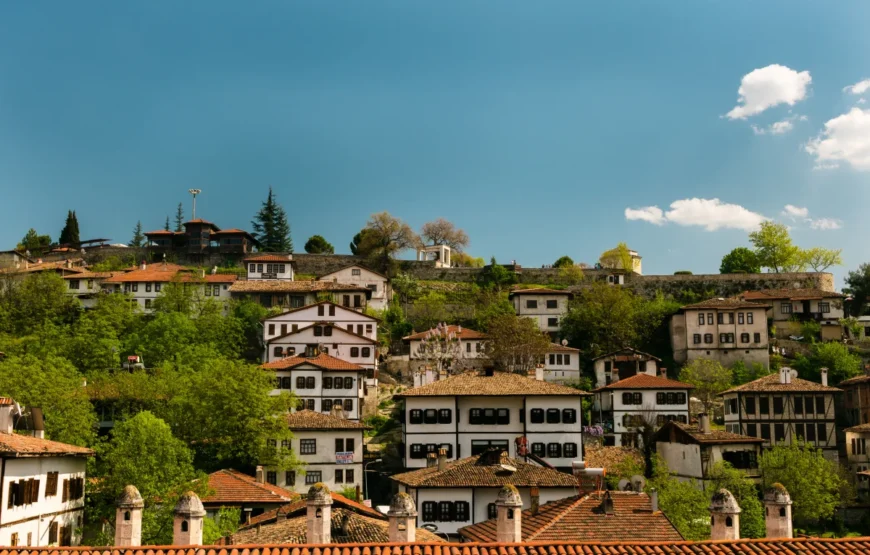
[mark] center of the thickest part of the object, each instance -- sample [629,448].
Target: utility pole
[194,192]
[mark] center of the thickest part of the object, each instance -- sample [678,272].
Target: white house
[330,447]
[266,266]
[545,306]
[469,352]
[454,494]
[321,382]
[329,312]
[858,460]
[623,407]
[86,286]
[147,283]
[622,364]
[470,413]
[42,487]
[562,364]
[252,495]
[328,339]
[379,284]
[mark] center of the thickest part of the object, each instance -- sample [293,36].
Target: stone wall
[727,285]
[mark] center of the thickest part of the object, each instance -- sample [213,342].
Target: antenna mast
[194,192]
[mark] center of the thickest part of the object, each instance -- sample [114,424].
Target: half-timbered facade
[782,408]
[321,383]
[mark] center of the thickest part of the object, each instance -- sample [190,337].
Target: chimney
[128,518]
[535,494]
[403,519]
[7,408]
[509,518]
[337,411]
[824,376]
[663,372]
[431,460]
[704,423]
[654,500]
[260,475]
[777,512]
[607,504]
[38,422]
[319,515]
[785,375]
[144,266]
[724,516]
[187,524]
[442,459]
[539,373]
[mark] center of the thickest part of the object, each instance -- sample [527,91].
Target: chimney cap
[509,496]
[130,499]
[777,493]
[402,504]
[724,502]
[319,493]
[189,505]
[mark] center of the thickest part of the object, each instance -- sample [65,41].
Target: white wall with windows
[357,275]
[631,408]
[269,270]
[319,390]
[344,318]
[317,449]
[545,309]
[331,340]
[562,365]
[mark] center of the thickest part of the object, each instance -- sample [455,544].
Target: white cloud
[769,86]
[858,88]
[711,214]
[846,138]
[795,211]
[778,127]
[860,101]
[825,224]
[651,214]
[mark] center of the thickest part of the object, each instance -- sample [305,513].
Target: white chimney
[260,475]
[144,266]
[824,376]
[704,423]
[403,519]
[654,500]
[7,408]
[724,516]
[128,518]
[777,512]
[319,515]
[509,518]
[188,522]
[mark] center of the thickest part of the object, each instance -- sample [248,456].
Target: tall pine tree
[179,218]
[271,227]
[166,227]
[138,237]
[69,235]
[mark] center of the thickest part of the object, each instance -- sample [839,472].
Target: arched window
[782,511]
[184,526]
[126,515]
[728,522]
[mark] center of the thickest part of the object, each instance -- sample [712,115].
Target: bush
[683,273]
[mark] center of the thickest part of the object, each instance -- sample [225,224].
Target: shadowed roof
[17,445]
[486,470]
[645,381]
[232,487]
[772,383]
[500,383]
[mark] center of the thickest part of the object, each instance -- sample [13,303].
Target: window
[318,331]
[502,416]
[552,359]
[300,382]
[488,416]
[355,272]
[720,318]
[417,451]
[368,329]
[217,290]
[348,405]
[708,338]
[339,445]
[752,430]
[157,287]
[820,404]
[207,291]
[756,337]
[271,329]
[327,382]
[492,511]
[326,405]
[824,307]
[822,432]
[740,318]
[538,449]
[700,318]
[272,477]
[709,318]
[14,540]
[339,476]
[567,360]
[552,304]
[696,338]
[332,310]
[147,303]
[313,476]
[808,405]
[799,432]
[354,352]
[777,405]
[554,450]
[429,511]
[468,347]
[569,450]
[373,287]
[357,301]
[569,416]
[359,329]
[744,338]
[552,322]
[537,416]
[764,405]
[749,318]
[553,416]
[135,287]
[765,432]
[726,338]
[629,398]
[51,484]
[309,404]
[478,446]
[327,331]
[778,432]
[309,382]
[52,532]
[750,405]
[475,416]
[348,383]
[798,405]
[785,308]
[461,511]
[307,447]
[430,416]
[531,304]
[811,433]
[366,352]
[348,475]
[278,351]
[445,511]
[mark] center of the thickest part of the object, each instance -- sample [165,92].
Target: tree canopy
[515,344]
[858,286]
[820,259]
[710,379]
[271,228]
[316,244]
[34,243]
[773,247]
[563,262]
[834,356]
[740,260]
[179,217]
[138,239]
[617,258]
[443,232]
[385,237]
[723,475]
[69,235]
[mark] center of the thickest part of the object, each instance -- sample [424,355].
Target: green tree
[316,244]
[138,239]
[858,286]
[740,374]
[225,524]
[820,259]
[740,260]
[710,379]
[617,258]
[465,260]
[69,235]
[271,227]
[815,484]
[429,309]
[34,243]
[516,344]
[723,475]
[570,275]
[386,237]
[563,262]
[360,246]
[182,294]
[490,304]
[684,503]
[836,357]
[495,276]
[53,384]
[406,287]
[443,232]
[773,247]
[166,225]
[38,300]
[179,217]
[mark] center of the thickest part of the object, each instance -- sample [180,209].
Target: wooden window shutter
[34,494]
[52,533]
[65,491]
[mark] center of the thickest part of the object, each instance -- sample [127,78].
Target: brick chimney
[442,459]
[777,512]
[403,519]
[188,521]
[724,516]
[318,515]
[7,408]
[128,518]
[535,494]
[260,475]
[509,519]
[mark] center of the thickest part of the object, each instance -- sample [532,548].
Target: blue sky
[532,125]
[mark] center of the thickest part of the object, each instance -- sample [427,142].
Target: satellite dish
[564,342]
[508,467]
[624,485]
[638,482]
[322,347]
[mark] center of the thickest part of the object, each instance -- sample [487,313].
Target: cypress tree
[271,227]
[166,227]
[138,237]
[179,218]
[69,235]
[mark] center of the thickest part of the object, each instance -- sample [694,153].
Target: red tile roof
[322,361]
[607,457]
[162,272]
[630,350]
[198,221]
[459,331]
[801,546]
[91,275]
[793,294]
[299,504]
[645,381]
[17,445]
[163,232]
[232,231]
[486,471]
[556,348]
[859,428]
[481,385]
[855,381]
[583,519]
[310,420]
[287,286]
[232,487]
[771,383]
[540,291]
[265,257]
[725,304]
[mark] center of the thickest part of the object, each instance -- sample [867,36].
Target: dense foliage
[271,227]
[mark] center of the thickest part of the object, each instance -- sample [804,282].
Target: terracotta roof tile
[323,361]
[231,231]
[232,487]
[608,457]
[459,331]
[479,385]
[725,304]
[17,445]
[299,505]
[540,291]
[353,266]
[859,428]
[287,286]
[162,272]
[582,519]
[266,257]
[793,294]
[163,232]
[854,381]
[645,381]
[771,383]
[311,420]
[91,275]
[556,348]
[631,350]
[714,437]
[486,470]
[803,546]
